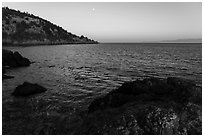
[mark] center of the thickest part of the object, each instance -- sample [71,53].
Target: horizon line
[150,42]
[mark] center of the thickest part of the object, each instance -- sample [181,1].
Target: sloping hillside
[20,28]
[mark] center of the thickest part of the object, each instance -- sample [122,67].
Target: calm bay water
[76,74]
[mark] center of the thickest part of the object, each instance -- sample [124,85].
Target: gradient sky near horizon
[121,22]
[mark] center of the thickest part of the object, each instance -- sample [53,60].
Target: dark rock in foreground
[171,89]
[13,59]
[27,89]
[149,106]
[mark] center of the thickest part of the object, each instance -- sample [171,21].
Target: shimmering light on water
[76,74]
[79,73]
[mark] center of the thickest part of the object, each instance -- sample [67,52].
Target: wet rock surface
[150,106]
[27,89]
[166,111]
[4,76]
[13,59]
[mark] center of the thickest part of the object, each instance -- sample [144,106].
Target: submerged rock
[149,106]
[27,89]
[6,77]
[13,59]
[51,66]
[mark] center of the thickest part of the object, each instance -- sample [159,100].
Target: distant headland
[24,29]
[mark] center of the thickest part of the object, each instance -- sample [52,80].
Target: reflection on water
[76,74]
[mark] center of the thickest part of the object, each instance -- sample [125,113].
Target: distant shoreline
[155,43]
[48,44]
[40,44]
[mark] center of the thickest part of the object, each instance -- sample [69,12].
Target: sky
[121,22]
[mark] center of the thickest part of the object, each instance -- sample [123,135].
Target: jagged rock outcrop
[149,106]
[20,28]
[13,59]
[27,89]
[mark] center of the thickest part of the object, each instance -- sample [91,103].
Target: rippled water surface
[76,74]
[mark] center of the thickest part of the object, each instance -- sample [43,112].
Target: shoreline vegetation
[24,29]
[39,44]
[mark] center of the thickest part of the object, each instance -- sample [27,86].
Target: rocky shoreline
[151,106]
[12,60]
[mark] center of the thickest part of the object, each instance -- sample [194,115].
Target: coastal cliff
[20,28]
